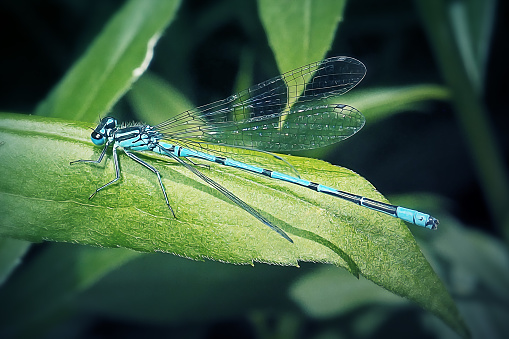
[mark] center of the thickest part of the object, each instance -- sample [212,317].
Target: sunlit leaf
[116,58]
[48,200]
[300,31]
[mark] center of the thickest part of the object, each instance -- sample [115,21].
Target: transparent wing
[287,112]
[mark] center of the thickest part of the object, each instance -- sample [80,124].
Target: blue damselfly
[294,111]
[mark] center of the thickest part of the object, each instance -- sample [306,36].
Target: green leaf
[39,295]
[117,57]
[383,102]
[475,262]
[232,289]
[124,215]
[469,107]
[380,103]
[143,290]
[300,31]
[155,100]
[472,24]
[318,294]
[480,256]
[11,251]
[48,200]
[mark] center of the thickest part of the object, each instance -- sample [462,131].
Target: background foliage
[438,64]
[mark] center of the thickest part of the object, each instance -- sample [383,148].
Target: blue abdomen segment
[289,178]
[406,214]
[238,164]
[416,217]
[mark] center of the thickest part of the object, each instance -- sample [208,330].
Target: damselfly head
[105,129]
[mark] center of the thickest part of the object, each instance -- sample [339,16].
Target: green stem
[470,111]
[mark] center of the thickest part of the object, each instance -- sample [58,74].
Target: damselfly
[294,111]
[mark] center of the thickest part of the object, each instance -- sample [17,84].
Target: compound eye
[97,138]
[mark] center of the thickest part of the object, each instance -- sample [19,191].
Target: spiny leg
[115,159]
[117,171]
[154,170]
[93,161]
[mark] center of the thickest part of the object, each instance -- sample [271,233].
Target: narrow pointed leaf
[155,100]
[380,103]
[300,31]
[117,57]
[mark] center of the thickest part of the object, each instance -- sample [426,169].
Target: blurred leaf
[470,111]
[319,296]
[475,267]
[37,296]
[245,74]
[117,57]
[300,31]
[480,256]
[472,22]
[157,296]
[381,103]
[48,200]
[11,251]
[154,100]
[152,289]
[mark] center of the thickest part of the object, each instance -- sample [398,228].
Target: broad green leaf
[300,31]
[208,225]
[48,200]
[39,295]
[117,57]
